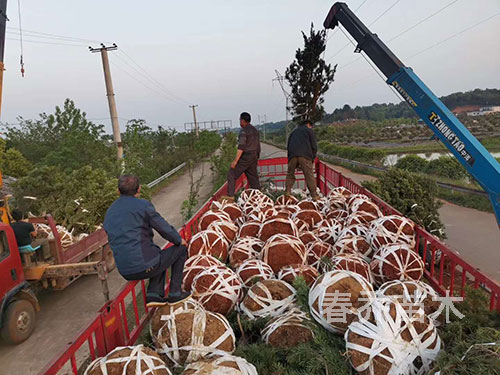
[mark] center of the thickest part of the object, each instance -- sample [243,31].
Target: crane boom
[447,127]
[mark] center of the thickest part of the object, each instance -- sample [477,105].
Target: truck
[21,274]
[122,320]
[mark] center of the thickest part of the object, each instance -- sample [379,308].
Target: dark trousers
[174,257]
[307,167]
[248,165]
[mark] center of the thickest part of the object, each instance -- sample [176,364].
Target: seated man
[129,223]
[302,149]
[24,231]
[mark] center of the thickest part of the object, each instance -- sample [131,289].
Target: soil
[277,226]
[117,368]
[290,273]
[194,266]
[284,254]
[250,229]
[279,291]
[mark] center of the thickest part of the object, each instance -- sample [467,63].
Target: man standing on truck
[129,223]
[302,149]
[247,157]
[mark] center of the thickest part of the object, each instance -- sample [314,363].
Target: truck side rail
[121,321]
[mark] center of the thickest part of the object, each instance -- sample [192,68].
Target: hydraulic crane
[454,135]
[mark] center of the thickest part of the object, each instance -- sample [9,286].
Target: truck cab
[18,303]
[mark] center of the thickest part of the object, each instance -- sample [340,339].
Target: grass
[492,144]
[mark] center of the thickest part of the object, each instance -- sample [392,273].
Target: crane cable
[21,61]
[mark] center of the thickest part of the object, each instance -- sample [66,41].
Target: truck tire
[19,321]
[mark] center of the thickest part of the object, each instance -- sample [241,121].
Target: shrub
[12,162]
[447,166]
[413,195]
[412,163]
[351,152]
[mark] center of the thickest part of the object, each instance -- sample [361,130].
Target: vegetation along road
[473,234]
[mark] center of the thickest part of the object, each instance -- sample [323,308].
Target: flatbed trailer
[121,321]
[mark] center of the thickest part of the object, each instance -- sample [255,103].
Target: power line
[405,31]
[153,79]
[55,35]
[372,23]
[42,42]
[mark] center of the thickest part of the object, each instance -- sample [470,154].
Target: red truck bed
[121,320]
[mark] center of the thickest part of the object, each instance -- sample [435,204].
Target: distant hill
[378,112]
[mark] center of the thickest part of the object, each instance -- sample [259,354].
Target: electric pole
[3,20]
[193,107]
[111,95]
[281,80]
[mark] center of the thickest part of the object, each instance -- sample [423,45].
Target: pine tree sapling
[309,77]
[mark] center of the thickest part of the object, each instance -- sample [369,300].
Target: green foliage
[413,195]
[189,205]
[412,163]
[447,166]
[310,77]
[465,200]
[77,199]
[12,162]
[478,326]
[221,162]
[65,139]
[351,152]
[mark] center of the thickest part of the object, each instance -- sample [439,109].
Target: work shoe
[154,300]
[226,198]
[175,298]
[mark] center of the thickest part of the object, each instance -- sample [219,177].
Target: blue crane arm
[445,125]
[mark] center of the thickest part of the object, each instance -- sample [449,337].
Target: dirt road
[64,314]
[472,233]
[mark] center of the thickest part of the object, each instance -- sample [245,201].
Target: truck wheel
[19,321]
[109,259]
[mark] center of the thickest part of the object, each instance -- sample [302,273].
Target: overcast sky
[222,55]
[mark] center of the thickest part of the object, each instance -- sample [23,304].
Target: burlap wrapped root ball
[319,254]
[390,340]
[277,226]
[288,330]
[396,262]
[391,229]
[307,237]
[310,217]
[129,360]
[353,263]
[190,335]
[352,244]
[283,250]
[267,298]
[308,204]
[337,214]
[244,249]
[162,313]
[363,209]
[195,265]
[328,230]
[220,364]
[217,288]
[254,270]
[210,216]
[336,298]
[340,191]
[290,209]
[249,194]
[250,228]
[209,242]
[410,292]
[290,273]
[360,230]
[227,229]
[229,208]
[285,199]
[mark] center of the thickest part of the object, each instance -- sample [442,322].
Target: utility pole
[281,80]
[111,95]
[193,107]
[3,21]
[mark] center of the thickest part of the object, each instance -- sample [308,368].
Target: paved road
[65,313]
[472,233]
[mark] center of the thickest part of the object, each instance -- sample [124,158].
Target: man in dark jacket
[246,158]
[129,223]
[302,149]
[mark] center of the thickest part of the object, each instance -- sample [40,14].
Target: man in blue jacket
[302,149]
[129,223]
